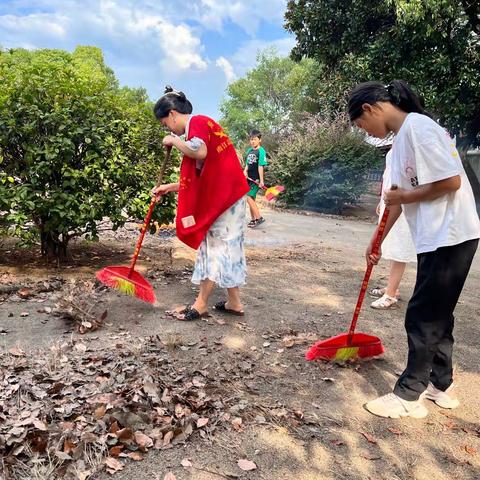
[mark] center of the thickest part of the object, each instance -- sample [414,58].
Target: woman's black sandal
[193,314]
[220,306]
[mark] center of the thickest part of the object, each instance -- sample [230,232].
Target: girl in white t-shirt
[437,200]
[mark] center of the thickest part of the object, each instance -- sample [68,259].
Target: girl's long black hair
[172,100]
[397,92]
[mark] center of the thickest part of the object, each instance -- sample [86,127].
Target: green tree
[75,149]
[433,44]
[270,97]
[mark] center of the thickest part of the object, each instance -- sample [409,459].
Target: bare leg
[201,303]
[234,301]
[396,273]
[254,211]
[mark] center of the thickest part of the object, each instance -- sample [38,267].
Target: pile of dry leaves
[73,412]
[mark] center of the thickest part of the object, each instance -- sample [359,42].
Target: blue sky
[197,46]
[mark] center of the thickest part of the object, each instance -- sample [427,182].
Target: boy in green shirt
[255,161]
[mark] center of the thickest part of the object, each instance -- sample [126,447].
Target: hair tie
[170,89]
[393,93]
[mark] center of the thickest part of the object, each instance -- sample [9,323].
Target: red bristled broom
[270,192]
[350,345]
[126,279]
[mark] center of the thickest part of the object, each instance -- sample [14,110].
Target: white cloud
[114,25]
[245,57]
[46,24]
[227,68]
[248,15]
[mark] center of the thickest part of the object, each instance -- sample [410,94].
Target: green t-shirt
[255,158]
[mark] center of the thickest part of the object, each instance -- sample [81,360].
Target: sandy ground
[304,276]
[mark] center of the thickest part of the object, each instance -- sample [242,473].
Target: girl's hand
[373,258]
[261,184]
[377,210]
[170,141]
[394,197]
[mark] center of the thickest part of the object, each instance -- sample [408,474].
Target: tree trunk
[53,247]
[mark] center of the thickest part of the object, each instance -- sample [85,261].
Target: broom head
[273,192]
[117,277]
[340,348]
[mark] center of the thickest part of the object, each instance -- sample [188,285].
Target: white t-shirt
[423,152]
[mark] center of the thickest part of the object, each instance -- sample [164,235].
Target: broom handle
[368,273]
[257,183]
[146,222]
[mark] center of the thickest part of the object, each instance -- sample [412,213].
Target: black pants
[429,318]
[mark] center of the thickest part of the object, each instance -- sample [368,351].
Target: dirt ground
[300,420]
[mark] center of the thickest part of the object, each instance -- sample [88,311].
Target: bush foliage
[323,165]
[74,147]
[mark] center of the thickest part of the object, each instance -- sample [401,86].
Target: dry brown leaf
[40,425]
[16,352]
[186,463]
[124,434]
[370,456]
[201,422]
[167,438]
[169,476]
[113,465]
[100,412]
[246,465]
[370,438]
[395,431]
[83,475]
[69,446]
[25,293]
[137,456]
[80,347]
[470,450]
[116,450]
[337,443]
[143,441]
[451,425]
[237,423]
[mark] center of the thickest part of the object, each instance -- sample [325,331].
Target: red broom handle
[257,183]
[146,222]
[368,273]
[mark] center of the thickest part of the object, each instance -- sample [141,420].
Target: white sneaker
[444,399]
[392,406]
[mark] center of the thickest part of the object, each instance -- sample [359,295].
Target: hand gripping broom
[126,279]
[270,192]
[350,345]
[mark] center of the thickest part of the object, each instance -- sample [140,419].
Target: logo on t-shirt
[252,158]
[411,176]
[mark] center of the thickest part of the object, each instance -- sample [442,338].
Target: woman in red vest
[211,201]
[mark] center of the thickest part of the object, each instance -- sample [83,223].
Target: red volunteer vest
[208,192]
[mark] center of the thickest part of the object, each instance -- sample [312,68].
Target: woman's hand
[377,210]
[261,184]
[160,190]
[170,141]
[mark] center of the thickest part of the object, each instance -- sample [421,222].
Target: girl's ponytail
[397,92]
[405,98]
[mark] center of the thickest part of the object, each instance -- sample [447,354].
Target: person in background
[255,163]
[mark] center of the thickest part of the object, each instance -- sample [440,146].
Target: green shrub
[323,165]
[75,149]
